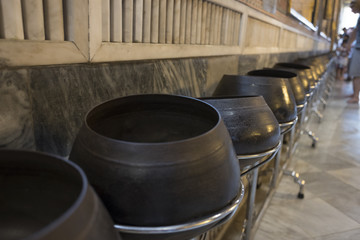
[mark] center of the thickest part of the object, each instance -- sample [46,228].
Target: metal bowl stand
[214,220]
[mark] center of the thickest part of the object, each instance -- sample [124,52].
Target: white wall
[120,30]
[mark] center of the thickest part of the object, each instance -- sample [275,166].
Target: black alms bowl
[45,197]
[158,160]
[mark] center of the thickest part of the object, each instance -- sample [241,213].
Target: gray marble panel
[302,166]
[287,191]
[328,161]
[350,176]
[252,62]
[217,68]
[264,61]
[248,63]
[303,218]
[348,203]
[271,229]
[322,184]
[282,57]
[63,95]
[16,123]
[269,60]
[346,235]
[180,76]
[125,79]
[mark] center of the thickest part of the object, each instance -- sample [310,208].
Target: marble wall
[42,108]
[16,122]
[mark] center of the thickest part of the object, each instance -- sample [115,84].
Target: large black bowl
[277,93]
[304,73]
[45,197]
[158,160]
[295,83]
[253,128]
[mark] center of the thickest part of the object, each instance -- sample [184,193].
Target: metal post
[291,143]
[277,165]
[251,203]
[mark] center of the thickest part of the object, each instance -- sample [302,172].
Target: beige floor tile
[314,217]
[350,176]
[348,203]
[302,166]
[281,232]
[323,184]
[331,208]
[347,235]
[288,190]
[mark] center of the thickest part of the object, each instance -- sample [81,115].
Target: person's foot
[350,96]
[353,100]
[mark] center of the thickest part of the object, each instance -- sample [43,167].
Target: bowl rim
[261,72]
[73,207]
[213,128]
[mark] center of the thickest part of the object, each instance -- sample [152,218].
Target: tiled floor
[331,207]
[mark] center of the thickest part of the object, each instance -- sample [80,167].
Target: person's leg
[356,88]
[354,72]
[338,70]
[342,72]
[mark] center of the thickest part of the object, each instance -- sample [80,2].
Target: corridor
[331,207]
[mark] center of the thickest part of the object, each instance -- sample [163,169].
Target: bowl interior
[292,65]
[34,193]
[272,73]
[152,119]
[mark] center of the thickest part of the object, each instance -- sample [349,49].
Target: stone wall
[42,108]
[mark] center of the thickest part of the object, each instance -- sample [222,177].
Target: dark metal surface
[252,125]
[158,160]
[45,197]
[187,230]
[303,72]
[295,83]
[276,92]
[317,66]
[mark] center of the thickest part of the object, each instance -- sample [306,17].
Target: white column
[212,25]
[128,7]
[105,26]
[33,19]
[138,20]
[198,24]
[183,21]
[216,25]
[208,21]
[237,29]
[194,21]
[230,31]
[219,26]
[116,20]
[12,24]
[77,24]
[169,21]
[94,28]
[203,22]
[54,22]
[176,30]
[147,21]
[162,22]
[225,27]
[188,22]
[155,12]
